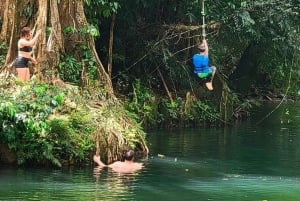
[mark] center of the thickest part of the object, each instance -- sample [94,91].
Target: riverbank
[63,126]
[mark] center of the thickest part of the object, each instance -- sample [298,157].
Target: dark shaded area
[6,155]
[244,76]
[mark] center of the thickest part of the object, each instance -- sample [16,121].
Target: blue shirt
[201,63]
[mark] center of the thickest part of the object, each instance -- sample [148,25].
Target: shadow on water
[244,162]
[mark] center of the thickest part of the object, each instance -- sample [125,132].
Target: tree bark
[110,45]
[8,30]
[49,14]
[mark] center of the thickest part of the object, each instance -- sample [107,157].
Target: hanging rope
[283,98]
[203,19]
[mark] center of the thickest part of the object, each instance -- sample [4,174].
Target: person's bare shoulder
[115,164]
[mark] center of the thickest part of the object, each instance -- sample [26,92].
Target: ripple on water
[246,187]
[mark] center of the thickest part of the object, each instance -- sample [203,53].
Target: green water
[243,162]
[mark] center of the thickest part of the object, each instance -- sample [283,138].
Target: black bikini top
[25,49]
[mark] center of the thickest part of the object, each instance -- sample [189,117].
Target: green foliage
[104,7]
[143,104]
[24,126]
[37,133]
[69,30]
[206,112]
[152,111]
[89,62]
[173,109]
[43,124]
[272,25]
[3,51]
[70,69]
[91,30]
[180,113]
[71,136]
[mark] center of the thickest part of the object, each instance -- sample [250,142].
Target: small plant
[91,30]
[69,30]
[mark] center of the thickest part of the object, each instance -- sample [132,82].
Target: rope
[203,20]
[283,98]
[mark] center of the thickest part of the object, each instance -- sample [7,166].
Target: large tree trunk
[8,31]
[49,14]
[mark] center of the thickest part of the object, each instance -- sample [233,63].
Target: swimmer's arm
[98,161]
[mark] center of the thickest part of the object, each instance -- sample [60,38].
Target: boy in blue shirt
[201,64]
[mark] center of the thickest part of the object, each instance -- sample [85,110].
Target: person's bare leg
[22,74]
[209,85]
[27,74]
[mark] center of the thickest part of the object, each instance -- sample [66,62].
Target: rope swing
[203,19]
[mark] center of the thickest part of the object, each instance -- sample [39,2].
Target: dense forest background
[254,39]
[254,44]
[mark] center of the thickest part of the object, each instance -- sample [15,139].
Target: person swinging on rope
[201,65]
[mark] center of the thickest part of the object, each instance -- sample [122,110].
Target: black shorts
[21,62]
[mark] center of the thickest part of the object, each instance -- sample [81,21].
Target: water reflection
[109,186]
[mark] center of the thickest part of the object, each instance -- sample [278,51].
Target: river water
[243,162]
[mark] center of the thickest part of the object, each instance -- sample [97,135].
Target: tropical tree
[106,9]
[65,34]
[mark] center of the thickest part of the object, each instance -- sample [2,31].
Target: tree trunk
[8,31]
[3,14]
[45,15]
[110,45]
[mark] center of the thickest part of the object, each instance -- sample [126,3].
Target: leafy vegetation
[153,111]
[44,124]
